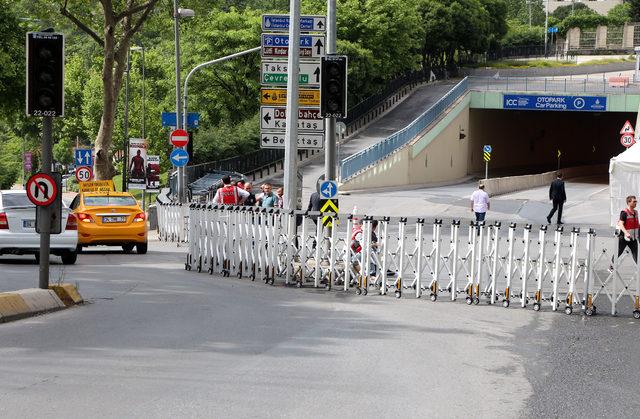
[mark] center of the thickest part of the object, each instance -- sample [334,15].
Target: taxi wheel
[79,248]
[141,248]
[127,248]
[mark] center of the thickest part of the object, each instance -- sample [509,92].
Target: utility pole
[125,159]
[546,27]
[291,133]
[330,123]
[45,212]
[176,34]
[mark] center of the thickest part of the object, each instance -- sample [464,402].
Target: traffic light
[45,74]
[333,103]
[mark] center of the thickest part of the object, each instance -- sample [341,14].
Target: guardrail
[588,84]
[557,269]
[369,156]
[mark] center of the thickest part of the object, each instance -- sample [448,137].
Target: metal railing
[586,84]
[365,158]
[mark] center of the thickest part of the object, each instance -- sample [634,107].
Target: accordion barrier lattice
[561,269]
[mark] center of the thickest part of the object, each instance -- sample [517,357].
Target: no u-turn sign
[42,189]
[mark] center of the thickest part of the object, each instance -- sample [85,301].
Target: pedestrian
[251,199]
[230,194]
[480,202]
[268,199]
[280,196]
[628,225]
[314,205]
[557,195]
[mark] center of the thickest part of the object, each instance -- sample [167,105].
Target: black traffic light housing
[333,102]
[45,74]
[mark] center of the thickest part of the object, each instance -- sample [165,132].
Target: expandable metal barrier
[508,265]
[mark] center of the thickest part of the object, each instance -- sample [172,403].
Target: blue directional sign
[83,157]
[552,29]
[487,148]
[275,40]
[281,23]
[556,103]
[169,119]
[179,157]
[328,189]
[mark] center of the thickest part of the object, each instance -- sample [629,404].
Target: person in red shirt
[230,194]
[628,225]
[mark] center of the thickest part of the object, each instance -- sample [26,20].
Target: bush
[523,35]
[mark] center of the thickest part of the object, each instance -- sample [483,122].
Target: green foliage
[620,14]
[519,10]
[523,35]
[582,19]
[63,151]
[634,10]
[227,140]
[12,76]
[562,12]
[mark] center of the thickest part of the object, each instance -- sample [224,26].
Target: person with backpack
[230,194]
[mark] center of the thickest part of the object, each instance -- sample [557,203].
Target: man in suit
[557,195]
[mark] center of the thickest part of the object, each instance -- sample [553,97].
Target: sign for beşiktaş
[556,103]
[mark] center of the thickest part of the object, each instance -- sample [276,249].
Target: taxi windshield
[111,201]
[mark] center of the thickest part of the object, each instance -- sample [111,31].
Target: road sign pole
[486,169]
[291,134]
[125,159]
[176,35]
[330,123]
[45,212]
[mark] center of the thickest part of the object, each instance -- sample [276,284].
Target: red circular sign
[42,189]
[179,138]
[627,140]
[84,173]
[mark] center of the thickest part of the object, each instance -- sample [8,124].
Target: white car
[18,229]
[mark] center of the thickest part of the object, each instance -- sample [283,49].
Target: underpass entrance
[527,142]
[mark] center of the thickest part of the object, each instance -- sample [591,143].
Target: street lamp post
[141,49]
[125,155]
[177,14]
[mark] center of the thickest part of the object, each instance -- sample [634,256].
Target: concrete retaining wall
[503,185]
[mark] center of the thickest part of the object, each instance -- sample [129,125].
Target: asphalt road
[156,341]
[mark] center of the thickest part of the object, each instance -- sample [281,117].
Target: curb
[29,302]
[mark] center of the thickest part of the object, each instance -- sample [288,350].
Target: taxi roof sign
[97,186]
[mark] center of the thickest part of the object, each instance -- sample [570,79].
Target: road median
[33,301]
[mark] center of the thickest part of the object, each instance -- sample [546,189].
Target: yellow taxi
[111,219]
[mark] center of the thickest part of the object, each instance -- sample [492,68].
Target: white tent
[624,180]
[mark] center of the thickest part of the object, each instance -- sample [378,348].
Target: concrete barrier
[32,301]
[503,185]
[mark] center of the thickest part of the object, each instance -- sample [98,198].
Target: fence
[508,265]
[597,84]
[369,156]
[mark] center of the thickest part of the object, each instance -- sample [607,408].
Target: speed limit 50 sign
[84,174]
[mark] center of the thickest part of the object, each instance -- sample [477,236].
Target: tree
[619,14]
[562,12]
[62,151]
[11,69]
[119,24]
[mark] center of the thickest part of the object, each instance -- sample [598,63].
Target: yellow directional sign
[559,153]
[306,97]
[328,205]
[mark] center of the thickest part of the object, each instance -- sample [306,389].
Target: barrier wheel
[298,284]
[505,303]
[468,300]
[210,271]
[272,281]
[358,291]
[398,294]
[327,286]
[568,310]
[595,310]
[536,306]
[636,314]
[589,312]
[239,275]
[364,291]
[199,268]
[434,297]
[476,301]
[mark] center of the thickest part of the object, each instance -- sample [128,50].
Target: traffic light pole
[45,212]
[330,123]
[291,133]
[176,33]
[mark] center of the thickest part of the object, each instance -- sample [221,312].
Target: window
[109,201]
[16,200]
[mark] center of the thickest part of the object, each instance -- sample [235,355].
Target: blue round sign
[179,157]
[328,189]
[487,148]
